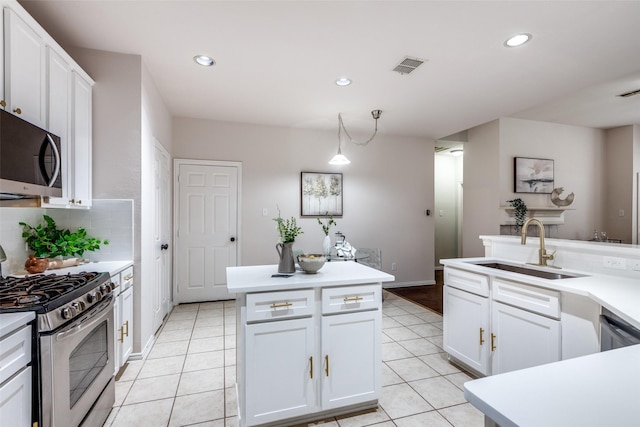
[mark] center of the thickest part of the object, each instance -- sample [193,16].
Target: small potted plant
[48,241]
[326,226]
[519,212]
[288,231]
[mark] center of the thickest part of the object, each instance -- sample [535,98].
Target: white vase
[326,245]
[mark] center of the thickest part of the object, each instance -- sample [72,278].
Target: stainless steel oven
[73,361]
[77,361]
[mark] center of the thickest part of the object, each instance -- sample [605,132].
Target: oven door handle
[84,323]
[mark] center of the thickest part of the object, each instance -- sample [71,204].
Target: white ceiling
[277,60]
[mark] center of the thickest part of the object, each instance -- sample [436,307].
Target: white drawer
[15,352]
[126,278]
[280,305]
[347,299]
[530,298]
[471,282]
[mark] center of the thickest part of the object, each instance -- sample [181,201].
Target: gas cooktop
[67,294]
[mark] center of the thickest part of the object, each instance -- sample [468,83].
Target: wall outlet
[394,266]
[265,211]
[634,265]
[615,263]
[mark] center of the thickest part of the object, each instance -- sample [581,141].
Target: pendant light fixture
[341,159]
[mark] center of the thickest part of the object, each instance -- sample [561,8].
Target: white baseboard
[405,284]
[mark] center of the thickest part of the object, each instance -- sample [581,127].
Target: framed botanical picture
[533,175]
[321,194]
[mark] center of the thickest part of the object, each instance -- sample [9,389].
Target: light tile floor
[187,379]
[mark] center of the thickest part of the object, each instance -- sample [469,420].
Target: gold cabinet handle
[326,364]
[128,277]
[121,339]
[281,305]
[3,103]
[493,342]
[481,339]
[17,111]
[311,367]
[79,202]
[126,324]
[352,299]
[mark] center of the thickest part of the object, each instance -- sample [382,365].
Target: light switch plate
[615,263]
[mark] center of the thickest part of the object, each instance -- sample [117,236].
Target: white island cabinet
[309,345]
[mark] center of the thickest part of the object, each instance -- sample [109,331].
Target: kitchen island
[308,345]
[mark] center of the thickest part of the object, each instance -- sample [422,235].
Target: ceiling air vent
[628,94]
[408,65]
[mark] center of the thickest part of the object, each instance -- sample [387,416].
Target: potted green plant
[288,231]
[48,241]
[519,212]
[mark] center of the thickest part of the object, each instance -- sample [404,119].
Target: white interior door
[206,228]
[161,235]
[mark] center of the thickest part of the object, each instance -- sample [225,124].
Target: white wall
[387,188]
[128,113]
[481,182]
[578,154]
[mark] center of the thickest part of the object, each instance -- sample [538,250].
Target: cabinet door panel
[279,383]
[126,323]
[15,400]
[25,83]
[81,142]
[351,358]
[466,328]
[522,339]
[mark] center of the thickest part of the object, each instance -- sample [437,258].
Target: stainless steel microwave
[30,160]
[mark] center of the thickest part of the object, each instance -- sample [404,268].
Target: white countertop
[598,390]
[111,267]
[9,322]
[258,278]
[620,295]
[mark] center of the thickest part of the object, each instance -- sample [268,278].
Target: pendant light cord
[341,127]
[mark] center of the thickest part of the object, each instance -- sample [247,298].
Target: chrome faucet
[543,257]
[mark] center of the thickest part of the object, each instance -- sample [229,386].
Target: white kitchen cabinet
[15,372]
[287,331]
[280,370]
[79,171]
[58,117]
[123,316]
[466,318]
[466,328]
[25,70]
[351,358]
[521,339]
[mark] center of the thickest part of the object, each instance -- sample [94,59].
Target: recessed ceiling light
[518,40]
[343,81]
[204,60]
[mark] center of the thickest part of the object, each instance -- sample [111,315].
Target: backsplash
[107,219]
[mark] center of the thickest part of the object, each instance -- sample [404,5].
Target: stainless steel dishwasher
[616,332]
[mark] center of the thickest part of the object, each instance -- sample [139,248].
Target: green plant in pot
[519,211]
[288,231]
[48,241]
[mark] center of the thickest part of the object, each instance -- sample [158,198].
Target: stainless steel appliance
[74,338]
[30,160]
[616,332]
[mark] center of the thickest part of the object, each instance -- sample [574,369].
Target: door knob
[233,239]
[164,246]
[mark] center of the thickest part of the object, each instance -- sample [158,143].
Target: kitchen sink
[551,275]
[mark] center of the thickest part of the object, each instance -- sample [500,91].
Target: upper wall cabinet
[42,84]
[25,70]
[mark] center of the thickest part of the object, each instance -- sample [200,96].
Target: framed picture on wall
[320,194]
[533,175]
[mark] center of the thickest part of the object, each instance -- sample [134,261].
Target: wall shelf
[547,215]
